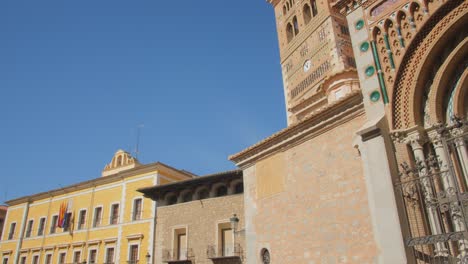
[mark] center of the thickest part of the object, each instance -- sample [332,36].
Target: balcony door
[181,246]
[227,242]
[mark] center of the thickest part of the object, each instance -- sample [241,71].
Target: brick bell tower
[316,55]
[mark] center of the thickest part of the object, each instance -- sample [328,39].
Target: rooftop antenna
[137,149]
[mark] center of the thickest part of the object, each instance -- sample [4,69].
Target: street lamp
[148,257]
[234,222]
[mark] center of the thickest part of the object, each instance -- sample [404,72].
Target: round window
[265,256]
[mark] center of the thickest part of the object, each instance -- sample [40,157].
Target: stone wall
[201,218]
[321,213]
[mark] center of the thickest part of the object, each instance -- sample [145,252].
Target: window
[66,222]
[225,240]
[5,261]
[76,257]
[171,199]
[239,188]
[265,255]
[61,259]
[29,228]
[92,256]
[289,32]
[344,30]
[307,13]
[221,191]
[203,194]
[97,216]
[109,256]
[23,260]
[137,203]
[81,219]
[35,259]
[53,224]
[314,7]
[180,243]
[48,259]
[114,214]
[12,231]
[351,62]
[40,230]
[187,197]
[296,26]
[133,256]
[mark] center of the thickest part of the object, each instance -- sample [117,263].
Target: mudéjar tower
[314,45]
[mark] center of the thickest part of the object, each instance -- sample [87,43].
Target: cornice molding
[312,125]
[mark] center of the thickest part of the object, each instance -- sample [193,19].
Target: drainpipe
[21,235]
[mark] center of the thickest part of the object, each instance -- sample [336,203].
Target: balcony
[229,251]
[181,256]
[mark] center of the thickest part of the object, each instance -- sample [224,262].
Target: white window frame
[60,253]
[9,231]
[38,259]
[73,256]
[113,257]
[25,256]
[110,213]
[51,223]
[94,216]
[174,237]
[51,257]
[45,226]
[27,226]
[89,254]
[218,228]
[78,222]
[133,208]
[130,244]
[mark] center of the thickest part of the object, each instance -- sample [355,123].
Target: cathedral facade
[372,167]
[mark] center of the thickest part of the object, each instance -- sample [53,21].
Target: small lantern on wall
[148,257]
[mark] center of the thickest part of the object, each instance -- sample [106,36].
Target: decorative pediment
[121,161]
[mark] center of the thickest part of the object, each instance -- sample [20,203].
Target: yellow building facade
[105,219]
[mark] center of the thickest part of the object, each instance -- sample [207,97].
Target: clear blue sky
[78,77]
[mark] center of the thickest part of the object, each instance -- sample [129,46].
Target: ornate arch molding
[408,88]
[444,79]
[460,95]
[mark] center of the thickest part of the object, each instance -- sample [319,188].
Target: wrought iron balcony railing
[224,251]
[182,255]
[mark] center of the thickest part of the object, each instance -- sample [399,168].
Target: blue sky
[78,77]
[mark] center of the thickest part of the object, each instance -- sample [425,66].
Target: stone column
[415,140]
[460,146]
[448,182]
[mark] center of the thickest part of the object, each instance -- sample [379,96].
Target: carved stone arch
[405,94]
[461,94]
[183,195]
[444,80]
[199,191]
[232,185]
[170,198]
[215,189]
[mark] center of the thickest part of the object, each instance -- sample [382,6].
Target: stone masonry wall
[321,215]
[201,217]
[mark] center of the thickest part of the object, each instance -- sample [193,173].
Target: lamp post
[234,224]
[148,257]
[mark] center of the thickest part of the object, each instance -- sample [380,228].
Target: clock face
[307,65]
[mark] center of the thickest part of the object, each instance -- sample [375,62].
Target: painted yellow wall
[127,232]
